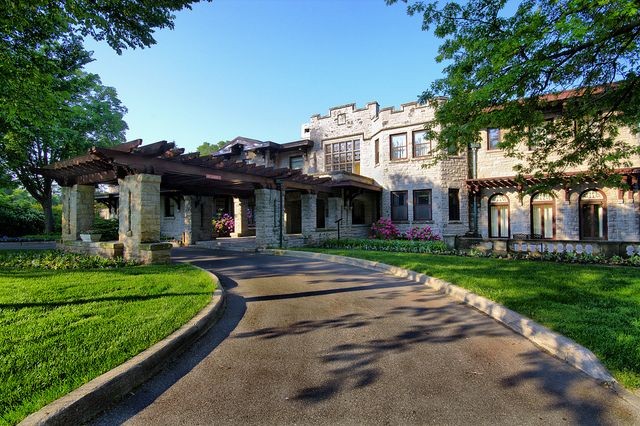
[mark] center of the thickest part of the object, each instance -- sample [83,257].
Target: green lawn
[597,306]
[60,329]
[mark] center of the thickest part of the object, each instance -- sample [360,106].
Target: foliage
[19,214]
[57,260]
[61,329]
[223,225]
[502,64]
[108,228]
[384,228]
[597,306]
[209,148]
[421,234]
[398,246]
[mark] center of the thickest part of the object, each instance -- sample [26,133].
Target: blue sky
[261,68]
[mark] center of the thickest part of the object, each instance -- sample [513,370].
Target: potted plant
[90,236]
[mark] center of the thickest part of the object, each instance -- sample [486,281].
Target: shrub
[20,214]
[223,225]
[422,234]
[384,229]
[108,228]
[401,246]
[57,260]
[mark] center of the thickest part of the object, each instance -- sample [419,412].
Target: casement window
[376,147]
[593,215]
[499,216]
[296,162]
[399,206]
[542,216]
[342,156]
[421,145]
[493,138]
[169,208]
[398,145]
[422,209]
[454,204]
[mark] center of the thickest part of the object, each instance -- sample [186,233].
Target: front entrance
[293,212]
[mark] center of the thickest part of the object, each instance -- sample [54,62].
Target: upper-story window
[342,156]
[421,145]
[398,146]
[296,162]
[376,147]
[493,138]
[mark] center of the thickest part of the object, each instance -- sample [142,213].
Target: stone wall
[139,212]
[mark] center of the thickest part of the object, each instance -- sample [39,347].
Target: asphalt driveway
[311,342]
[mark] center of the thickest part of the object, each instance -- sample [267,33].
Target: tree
[49,108]
[561,75]
[209,148]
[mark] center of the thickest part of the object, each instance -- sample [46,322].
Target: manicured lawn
[60,329]
[597,306]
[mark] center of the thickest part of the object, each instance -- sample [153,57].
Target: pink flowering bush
[384,229]
[223,225]
[422,234]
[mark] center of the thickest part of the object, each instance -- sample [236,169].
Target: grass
[60,329]
[597,306]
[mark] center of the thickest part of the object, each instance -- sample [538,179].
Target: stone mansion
[350,167]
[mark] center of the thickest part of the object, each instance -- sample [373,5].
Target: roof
[190,173]
[241,143]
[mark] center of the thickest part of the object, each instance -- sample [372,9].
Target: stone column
[139,214]
[335,212]
[241,223]
[309,207]
[268,217]
[77,210]
[188,237]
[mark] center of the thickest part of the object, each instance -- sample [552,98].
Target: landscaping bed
[65,319]
[597,306]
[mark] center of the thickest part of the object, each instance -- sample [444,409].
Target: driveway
[311,342]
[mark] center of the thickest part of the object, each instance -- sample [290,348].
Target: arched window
[499,216]
[593,215]
[542,216]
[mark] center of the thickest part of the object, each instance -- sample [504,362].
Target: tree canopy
[207,148]
[503,63]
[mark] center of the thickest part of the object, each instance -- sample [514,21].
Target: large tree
[49,108]
[503,63]
[209,148]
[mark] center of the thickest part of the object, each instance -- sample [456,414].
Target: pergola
[142,172]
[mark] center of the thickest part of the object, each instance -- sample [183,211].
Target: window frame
[405,193]
[376,155]
[491,203]
[169,208]
[551,203]
[416,193]
[457,209]
[329,154]
[427,143]
[301,157]
[603,203]
[392,149]
[489,146]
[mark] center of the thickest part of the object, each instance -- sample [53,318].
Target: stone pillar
[139,217]
[335,211]
[77,210]
[188,237]
[309,207]
[268,217]
[241,222]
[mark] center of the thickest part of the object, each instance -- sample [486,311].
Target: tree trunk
[49,223]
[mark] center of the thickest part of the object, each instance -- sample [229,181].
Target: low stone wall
[602,248]
[109,249]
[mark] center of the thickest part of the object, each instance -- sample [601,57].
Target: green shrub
[57,260]
[401,246]
[19,214]
[108,228]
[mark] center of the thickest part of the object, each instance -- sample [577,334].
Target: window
[593,215]
[422,204]
[320,213]
[399,206]
[357,213]
[542,216]
[342,156]
[499,216]
[168,207]
[421,146]
[454,204]
[376,148]
[296,162]
[342,118]
[398,146]
[493,138]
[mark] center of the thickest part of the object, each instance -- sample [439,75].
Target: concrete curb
[84,403]
[557,345]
